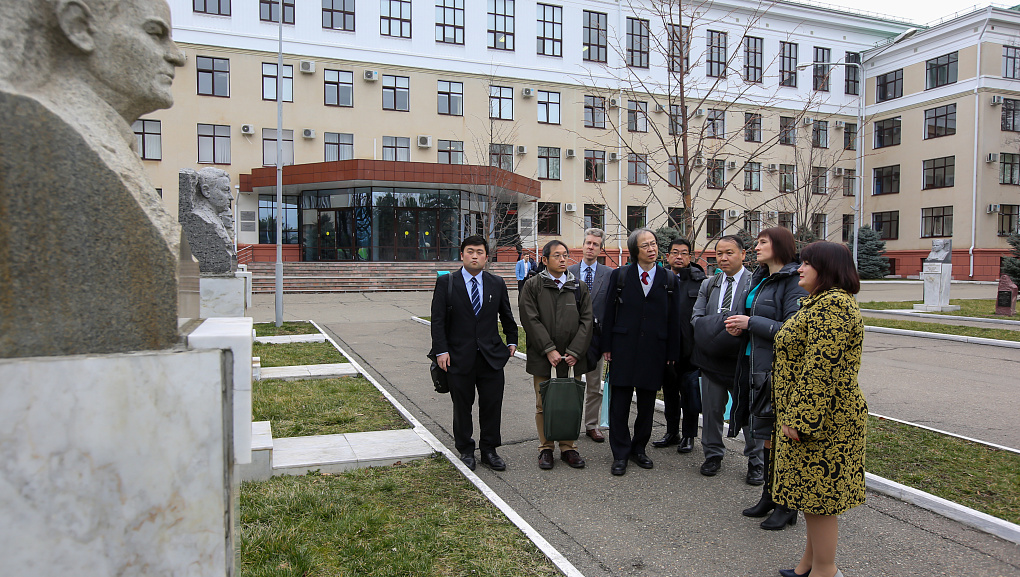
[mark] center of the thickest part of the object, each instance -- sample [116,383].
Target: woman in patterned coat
[819,467]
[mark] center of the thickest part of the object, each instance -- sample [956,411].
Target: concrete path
[323,371]
[667,521]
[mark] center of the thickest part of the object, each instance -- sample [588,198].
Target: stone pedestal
[1005,301]
[223,295]
[937,279]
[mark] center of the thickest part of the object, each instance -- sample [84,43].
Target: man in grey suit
[596,276]
[716,353]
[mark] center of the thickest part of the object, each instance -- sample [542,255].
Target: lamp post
[859,160]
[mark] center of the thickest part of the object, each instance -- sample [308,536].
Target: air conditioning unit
[839,171]
[771,215]
[614,156]
[247,129]
[521,149]
[699,112]
[840,124]
[307,66]
[808,120]
[660,108]
[424,141]
[614,103]
[699,162]
[992,157]
[527,92]
[371,75]
[993,208]
[732,165]
[308,133]
[570,207]
[571,153]
[996,99]
[773,167]
[732,213]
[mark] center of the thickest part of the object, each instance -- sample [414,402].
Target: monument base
[223,296]
[936,308]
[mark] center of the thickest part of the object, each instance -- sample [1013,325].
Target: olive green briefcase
[562,404]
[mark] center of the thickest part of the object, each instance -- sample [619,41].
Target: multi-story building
[408,124]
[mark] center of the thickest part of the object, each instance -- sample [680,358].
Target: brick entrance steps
[301,277]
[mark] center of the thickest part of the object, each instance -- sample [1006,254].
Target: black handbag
[761,398]
[439,376]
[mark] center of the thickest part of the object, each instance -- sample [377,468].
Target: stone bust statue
[205,213]
[941,251]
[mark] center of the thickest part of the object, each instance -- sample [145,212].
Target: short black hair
[834,265]
[682,241]
[547,249]
[734,239]
[474,240]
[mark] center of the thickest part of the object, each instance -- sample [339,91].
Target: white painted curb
[911,313]
[945,337]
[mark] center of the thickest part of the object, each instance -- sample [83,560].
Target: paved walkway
[667,521]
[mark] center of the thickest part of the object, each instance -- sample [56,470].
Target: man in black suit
[640,336]
[466,344]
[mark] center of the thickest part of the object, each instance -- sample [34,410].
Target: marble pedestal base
[936,308]
[937,279]
[223,296]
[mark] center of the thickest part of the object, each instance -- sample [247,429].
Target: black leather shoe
[469,460]
[545,459]
[573,458]
[493,461]
[619,467]
[793,573]
[755,475]
[763,508]
[686,445]
[779,519]
[642,460]
[667,440]
[711,466]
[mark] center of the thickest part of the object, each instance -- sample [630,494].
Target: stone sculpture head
[214,187]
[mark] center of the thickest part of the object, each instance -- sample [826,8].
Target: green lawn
[968,307]
[323,407]
[287,328]
[290,354]
[1000,334]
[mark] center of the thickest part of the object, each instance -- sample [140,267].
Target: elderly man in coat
[640,336]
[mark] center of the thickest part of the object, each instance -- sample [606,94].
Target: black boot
[780,518]
[764,506]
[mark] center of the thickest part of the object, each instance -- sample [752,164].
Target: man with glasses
[557,317]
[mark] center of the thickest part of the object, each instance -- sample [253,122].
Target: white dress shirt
[733,290]
[467,283]
[651,278]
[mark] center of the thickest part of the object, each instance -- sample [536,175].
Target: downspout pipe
[974,180]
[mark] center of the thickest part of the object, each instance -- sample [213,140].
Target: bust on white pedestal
[937,275]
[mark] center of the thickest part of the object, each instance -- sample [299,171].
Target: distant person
[819,406]
[557,318]
[466,344]
[640,337]
[521,270]
[596,277]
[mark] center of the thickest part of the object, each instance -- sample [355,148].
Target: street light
[859,160]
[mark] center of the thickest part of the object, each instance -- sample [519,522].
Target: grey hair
[596,232]
[632,241]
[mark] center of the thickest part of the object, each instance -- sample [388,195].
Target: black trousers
[621,441]
[682,393]
[489,383]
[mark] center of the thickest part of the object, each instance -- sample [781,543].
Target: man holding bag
[557,316]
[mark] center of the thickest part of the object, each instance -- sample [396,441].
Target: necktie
[557,282]
[587,279]
[644,277]
[476,301]
[728,295]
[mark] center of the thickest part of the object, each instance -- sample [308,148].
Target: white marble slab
[298,455]
[324,371]
[114,465]
[286,339]
[222,296]
[375,446]
[261,466]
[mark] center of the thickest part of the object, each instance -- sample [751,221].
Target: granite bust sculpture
[204,212]
[941,251]
[89,259]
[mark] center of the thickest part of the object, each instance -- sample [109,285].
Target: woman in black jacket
[773,298]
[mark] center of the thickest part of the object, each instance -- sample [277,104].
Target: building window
[149,137]
[214,7]
[636,217]
[501,24]
[214,76]
[269,82]
[213,144]
[396,148]
[715,173]
[818,227]
[820,78]
[787,178]
[679,48]
[788,64]
[848,227]
[501,102]
[594,166]
[752,222]
[594,215]
[1009,168]
[786,220]
[887,132]
[594,112]
[849,181]
[850,136]
[637,116]
[637,168]
[1011,62]
[820,134]
[451,152]
[269,147]
[676,218]
[937,222]
[1011,115]
[752,127]
[754,59]
[549,218]
[548,163]
[819,180]
[676,171]
[638,43]
[269,11]
[889,85]
[502,155]
[338,15]
[395,18]
[941,71]
[450,21]
[548,107]
[1009,219]
[752,176]
[267,219]
[788,130]
[713,223]
[715,125]
[596,39]
[676,119]
[939,172]
[716,57]
[852,74]
[550,30]
[940,121]
[339,146]
[887,180]
[451,98]
[339,87]
[396,93]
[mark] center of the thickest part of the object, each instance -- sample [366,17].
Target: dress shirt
[651,278]
[585,267]
[733,289]
[562,280]
[467,283]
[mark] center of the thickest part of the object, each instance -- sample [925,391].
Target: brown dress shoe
[545,459]
[595,435]
[573,458]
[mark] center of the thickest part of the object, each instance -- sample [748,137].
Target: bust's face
[219,193]
[938,245]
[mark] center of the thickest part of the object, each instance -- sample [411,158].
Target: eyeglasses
[559,256]
[646,245]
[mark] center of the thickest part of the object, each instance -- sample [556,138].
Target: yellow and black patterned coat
[817,358]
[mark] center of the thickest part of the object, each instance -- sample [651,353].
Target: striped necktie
[728,295]
[476,301]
